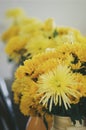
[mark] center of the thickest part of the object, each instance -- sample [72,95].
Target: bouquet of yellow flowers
[53,82]
[52,78]
[28,36]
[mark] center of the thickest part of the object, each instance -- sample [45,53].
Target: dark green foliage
[55,33]
[23,58]
[82,68]
[76,59]
[76,112]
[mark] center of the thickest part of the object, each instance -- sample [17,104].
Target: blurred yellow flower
[10,32]
[16,12]
[15,47]
[39,44]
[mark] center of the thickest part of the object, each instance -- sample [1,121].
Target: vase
[60,123]
[35,123]
[65,123]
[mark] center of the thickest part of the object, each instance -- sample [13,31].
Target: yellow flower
[49,24]
[16,12]
[17,89]
[30,102]
[76,50]
[81,88]
[29,20]
[15,47]
[81,38]
[67,30]
[82,84]
[19,85]
[30,25]
[25,93]
[65,54]
[10,32]
[55,86]
[21,72]
[39,44]
[32,67]
[48,27]
[70,35]
[45,67]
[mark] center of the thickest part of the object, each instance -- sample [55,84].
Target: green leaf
[55,33]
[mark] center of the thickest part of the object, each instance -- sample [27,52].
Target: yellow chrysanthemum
[48,27]
[30,26]
[15,47]
[32,67]
[49,24]
[16,12]
[39,44]
[82,84]
[55,86]
[81,38]
[10,32]
[23,71]
[66,30]
[25,93]
[70,35]
[76,50]
[19,85]
[50,59]
[30,102]
[45,67]
[81,88]
[29,20]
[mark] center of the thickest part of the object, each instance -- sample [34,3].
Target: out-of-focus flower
[14,13]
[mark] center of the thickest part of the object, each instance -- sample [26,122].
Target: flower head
[10,32]
[15,47]
[56,85]
[16,12]
[39,44]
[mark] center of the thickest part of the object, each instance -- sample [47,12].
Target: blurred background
[64,12]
